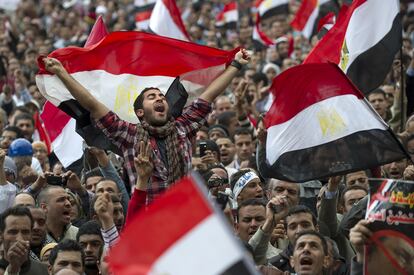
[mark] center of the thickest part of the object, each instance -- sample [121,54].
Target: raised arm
[222,81]
[80,93]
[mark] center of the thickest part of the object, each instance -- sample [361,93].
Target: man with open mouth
[170,138]
[310,254]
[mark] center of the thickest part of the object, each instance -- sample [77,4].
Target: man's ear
[43,206]
[139,113]
[326,262]
[292,262]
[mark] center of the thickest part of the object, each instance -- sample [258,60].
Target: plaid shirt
[124,135]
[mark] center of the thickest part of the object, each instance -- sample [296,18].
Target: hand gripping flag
[179,234]
[320,125]
[124,63]
[363,42]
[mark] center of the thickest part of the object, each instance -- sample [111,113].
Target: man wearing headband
[246,185]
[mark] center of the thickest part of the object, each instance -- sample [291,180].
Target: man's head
[90,239]
[39,227]
[25,123]
[229,120]
[243,141]
[357,178]
[227,150]
[16,225]
[152,107]
[310,254]
[217,131]
[351,196]
[290,190]
[91,179]
[300,218]
[246,184]
[378,101]
[106,185]
[251,214]
[395,170]
[24,199]
[10,133]
[222,104]
[67,254]
[40,151]
[55,201]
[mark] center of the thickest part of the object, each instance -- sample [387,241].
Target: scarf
[174,157]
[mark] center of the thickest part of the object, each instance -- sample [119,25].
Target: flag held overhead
[320,125]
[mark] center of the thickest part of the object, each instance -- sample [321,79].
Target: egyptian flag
[228,17]
[61,127]
[269,8]
[166,20]
[189,238]
[325,24]
[320,126]
[310,13]
[260,39]
[143,10]
[363,42]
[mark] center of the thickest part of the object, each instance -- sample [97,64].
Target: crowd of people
[55,220]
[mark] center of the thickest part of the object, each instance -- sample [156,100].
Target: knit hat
[220,128]
[46,248]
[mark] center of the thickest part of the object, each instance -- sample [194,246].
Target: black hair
[297,209]
[313,233]
[212,146]
[95,172]
[250,202]
[349,188]
[66,245]
[15,129]
[225,118]
[242,131]
[23,116]
[377,91]
[89,228]
[257,77]
[19,211]
[139,101]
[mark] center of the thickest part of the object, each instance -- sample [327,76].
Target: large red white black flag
[179,234]
[320,125]
[363,42]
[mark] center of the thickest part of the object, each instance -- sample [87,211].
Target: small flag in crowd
[320,125]
[310,13]
[166,20]
[143,9]
[260,39]
[186,239]
[59,125]
[269,8]
[363,42]
[325,24]
[228,17]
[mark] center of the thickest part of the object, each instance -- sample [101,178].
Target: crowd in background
[70,224]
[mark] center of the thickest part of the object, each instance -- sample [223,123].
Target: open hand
[142,162]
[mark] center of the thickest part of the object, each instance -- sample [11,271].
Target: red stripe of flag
[143,15]
[303,14]
[105,57]
[54,120]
